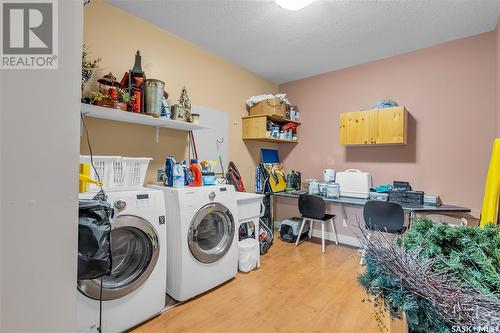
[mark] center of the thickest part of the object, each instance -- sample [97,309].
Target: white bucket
[249,252]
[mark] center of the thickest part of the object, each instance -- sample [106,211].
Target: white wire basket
[116,172]
[135,171]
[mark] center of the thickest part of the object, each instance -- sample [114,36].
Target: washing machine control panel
[133,201]
[143,200]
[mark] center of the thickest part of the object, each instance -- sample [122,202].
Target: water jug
[178,175]
[186,172]
[169,170]
[196,173]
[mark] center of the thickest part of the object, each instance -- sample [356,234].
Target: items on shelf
[177,175]
[254,100]
[195,118]
[165,108]
[271,118]
[135,87]
[285,131]
[293,181]
[292,112]
[182,110]
[402,192]
[354,183]
[88,66]
[110,94]
[114,172]
[196,174]
[329,175]
[154,94]
[325,189]
[169,171]
[135,93]
[275,105]
[195,170]
[208,172]
[385,103]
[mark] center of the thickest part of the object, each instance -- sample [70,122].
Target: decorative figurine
[182,110]
[135,86]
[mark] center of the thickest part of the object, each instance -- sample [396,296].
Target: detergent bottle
[196,173]
[178,175]
[186,172]
[169,170]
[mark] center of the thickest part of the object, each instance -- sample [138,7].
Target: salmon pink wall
[449,91]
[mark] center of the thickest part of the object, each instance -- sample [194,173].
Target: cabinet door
[392,125]
[361,127]
[355,128]
[254,128]
[343,120]
[369,121]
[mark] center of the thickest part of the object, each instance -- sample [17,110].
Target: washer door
[211,233]
[134,250]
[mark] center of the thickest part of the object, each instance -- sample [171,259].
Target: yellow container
[83,186]
[489,213]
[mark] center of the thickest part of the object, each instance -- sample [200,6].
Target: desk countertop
[361,202]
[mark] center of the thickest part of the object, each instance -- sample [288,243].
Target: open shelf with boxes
[255,128]
[271,120]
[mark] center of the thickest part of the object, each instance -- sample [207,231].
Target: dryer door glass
[134,253]
[211,233]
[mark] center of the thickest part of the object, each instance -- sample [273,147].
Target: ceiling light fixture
[293,4]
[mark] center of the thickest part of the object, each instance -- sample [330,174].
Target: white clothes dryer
[202,238]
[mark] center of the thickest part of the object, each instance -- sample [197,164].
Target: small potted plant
[88,66]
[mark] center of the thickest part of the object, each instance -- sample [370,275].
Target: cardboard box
[272,106]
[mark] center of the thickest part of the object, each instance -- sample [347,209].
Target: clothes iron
[293,181]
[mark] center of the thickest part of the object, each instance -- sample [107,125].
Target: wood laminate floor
[297,289]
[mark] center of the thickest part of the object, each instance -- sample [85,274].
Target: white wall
[39,138]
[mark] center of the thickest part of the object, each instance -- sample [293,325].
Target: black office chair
[313,209]
[383,216]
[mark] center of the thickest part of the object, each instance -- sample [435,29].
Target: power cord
[101,196]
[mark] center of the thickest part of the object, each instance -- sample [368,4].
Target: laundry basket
[108,169]
[135,171]
[118,173]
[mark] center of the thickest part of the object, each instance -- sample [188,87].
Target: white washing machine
[135,290]
[202,238]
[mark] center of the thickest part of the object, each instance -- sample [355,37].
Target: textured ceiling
[283,45]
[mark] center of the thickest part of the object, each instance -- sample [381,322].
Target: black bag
[94,246]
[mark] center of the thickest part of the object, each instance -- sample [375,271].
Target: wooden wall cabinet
[374,127]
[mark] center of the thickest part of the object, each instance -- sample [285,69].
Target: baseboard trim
[343,239]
